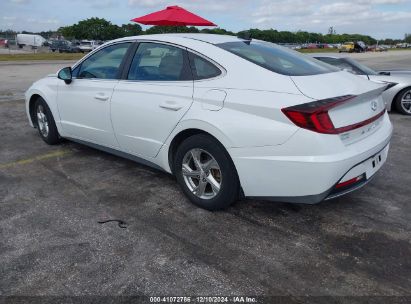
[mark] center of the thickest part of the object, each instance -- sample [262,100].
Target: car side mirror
[66,75]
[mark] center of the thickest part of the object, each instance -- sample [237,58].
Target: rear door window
[159,62]
[202,68]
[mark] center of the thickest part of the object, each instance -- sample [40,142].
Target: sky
[377,18]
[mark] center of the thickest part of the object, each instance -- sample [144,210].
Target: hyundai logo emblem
[374,105]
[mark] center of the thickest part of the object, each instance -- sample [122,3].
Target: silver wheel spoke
[199,190]
[195,154]
[187,171]
[214,184]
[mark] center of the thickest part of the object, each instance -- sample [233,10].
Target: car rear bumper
[307,170]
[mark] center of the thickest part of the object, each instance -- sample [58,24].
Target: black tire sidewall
[52,137]
[229,190]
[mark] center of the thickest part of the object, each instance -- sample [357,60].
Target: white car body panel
[403,81]
[84,108]
[401,78]
[136,106]
[241,108]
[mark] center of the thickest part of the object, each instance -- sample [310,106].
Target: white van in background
[87,45]
[30,40]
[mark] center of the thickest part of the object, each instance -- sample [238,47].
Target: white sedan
[228,117]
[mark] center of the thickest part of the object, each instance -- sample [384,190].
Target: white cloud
[20,1]
[352,16]
[342,8]
[211,5]
[9,18]
[379,18]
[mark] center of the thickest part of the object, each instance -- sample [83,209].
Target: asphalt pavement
[53,197]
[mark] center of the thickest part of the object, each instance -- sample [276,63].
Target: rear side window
[202,68]
[159,62]
[277,59]
[104,64]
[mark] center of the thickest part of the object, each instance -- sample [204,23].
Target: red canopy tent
[173,16]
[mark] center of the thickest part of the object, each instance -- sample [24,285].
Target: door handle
[101,96]
[171,105]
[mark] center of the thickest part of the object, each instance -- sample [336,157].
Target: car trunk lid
[344,103]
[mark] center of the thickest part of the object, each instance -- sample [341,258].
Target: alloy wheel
[201,173]
[406,101]
[42,121]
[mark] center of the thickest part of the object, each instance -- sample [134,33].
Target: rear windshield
[276,58]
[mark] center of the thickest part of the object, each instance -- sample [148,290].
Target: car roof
[208,38]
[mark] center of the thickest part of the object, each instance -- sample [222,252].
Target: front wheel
[45,123]
[206,172]
[403,101]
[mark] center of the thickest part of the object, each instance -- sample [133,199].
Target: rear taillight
[314,115]
[350,182]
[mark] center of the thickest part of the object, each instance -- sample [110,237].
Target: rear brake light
[314,115]
[350,181]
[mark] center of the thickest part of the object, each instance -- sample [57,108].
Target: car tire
[222,186]
[45,123]
[404,95]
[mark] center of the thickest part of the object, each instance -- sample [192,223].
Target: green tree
[92,28]
[159,29]
[131,29]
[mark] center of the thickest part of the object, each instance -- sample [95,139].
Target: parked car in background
[377,48]
[4,42]
[398,93]
[30,40]
[87,45]
[228,117]
[64,46]
[312,46]
[353,47]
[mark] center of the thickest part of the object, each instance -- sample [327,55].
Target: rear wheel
[45,122]
[403,101]
[206,172]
